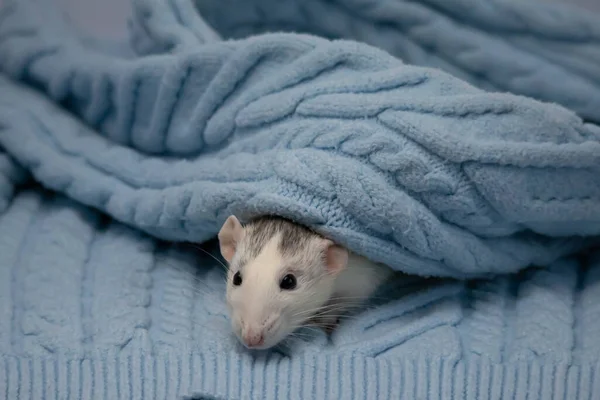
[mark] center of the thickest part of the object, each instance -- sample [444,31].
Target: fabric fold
[539,49]
[112,155]
[407,165]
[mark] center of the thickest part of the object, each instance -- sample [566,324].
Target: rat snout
[253,335]
[253,338]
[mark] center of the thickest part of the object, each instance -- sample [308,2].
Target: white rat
[283,275]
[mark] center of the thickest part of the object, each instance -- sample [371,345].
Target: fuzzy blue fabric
[162,138]
[544,50]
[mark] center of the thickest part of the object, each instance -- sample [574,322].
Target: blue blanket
[109,150]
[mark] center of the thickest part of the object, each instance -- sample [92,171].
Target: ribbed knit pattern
[407,165]
[91,309]
[230,376]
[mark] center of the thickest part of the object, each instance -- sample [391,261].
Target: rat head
[280,274]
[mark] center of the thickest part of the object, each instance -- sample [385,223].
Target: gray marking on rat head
[295,238]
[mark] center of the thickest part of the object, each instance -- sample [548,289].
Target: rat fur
[268,256]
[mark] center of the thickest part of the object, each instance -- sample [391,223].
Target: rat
[283,275]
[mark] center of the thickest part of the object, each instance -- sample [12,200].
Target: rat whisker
[308,312]
[300,335]
[341,316]
[317,318]
[329,308]
[313,312]
[225,267]
[309,327]
[344,298]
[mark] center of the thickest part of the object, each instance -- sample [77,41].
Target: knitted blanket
[111,155]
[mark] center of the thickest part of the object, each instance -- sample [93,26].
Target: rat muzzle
[255,336]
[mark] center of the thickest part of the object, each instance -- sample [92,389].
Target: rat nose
[253,338]
[253,335]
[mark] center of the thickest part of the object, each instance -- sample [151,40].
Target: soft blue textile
[409,166]
[545,50]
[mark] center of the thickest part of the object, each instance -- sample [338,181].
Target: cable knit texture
[407,165]
[543,50]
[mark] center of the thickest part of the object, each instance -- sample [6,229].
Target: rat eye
[237,279]
[288,282]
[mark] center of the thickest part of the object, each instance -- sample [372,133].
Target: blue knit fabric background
[539,49]
[107,151]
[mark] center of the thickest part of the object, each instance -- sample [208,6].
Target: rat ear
[336,257]
[229,236]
